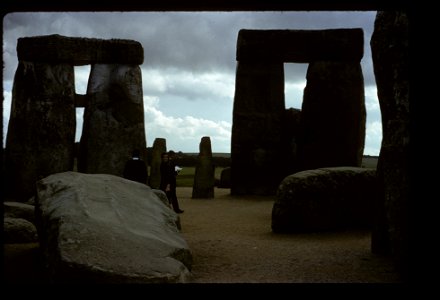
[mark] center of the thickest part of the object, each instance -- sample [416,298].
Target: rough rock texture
[389,45]
[332,116]
[18,230]
[79,51]
[113,119]
[300,46]
[159,147]
[204,177]
[325,199]
[41,132]
[106,229]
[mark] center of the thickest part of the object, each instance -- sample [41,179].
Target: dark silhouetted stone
[159,147]
[263,150]
[300,46]
[204,175]
[41,132]
[325,199]
[225,178]
[257,145]
[332,116]
[79,51]
[389,45]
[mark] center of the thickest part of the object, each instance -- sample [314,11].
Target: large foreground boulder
[325,199]
[107,229]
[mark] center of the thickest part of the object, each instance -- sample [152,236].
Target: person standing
[168,176]
[136,169]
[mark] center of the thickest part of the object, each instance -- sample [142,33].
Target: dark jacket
[167,175]
[136,170]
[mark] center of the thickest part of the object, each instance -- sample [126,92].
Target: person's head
[136,153]
[165,157]
[171,154]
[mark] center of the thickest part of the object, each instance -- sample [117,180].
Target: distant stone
[205,171]
[159,147]
[225,178]
[107,229]
[79,51]
[325,199]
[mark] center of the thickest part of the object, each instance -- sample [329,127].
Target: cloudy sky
[188,74]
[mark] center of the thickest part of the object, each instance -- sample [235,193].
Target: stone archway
[332,126]
[41,133]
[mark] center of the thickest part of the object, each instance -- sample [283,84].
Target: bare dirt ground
[232,242]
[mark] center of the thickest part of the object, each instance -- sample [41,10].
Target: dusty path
[231,241]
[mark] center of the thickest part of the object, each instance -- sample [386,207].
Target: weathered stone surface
[204,177]
[159,147]
[19,210]
[257,145]
[79,51]
[41,132]
[332,116]
[300,46]
[325,199]
[18,230]
[113,119]
[390,53]
[105,229]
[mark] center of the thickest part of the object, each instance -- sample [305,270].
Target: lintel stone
[79,51]
[300,46]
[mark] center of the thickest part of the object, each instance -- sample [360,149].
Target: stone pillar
[292,129]
[41,132]
[159,147]
[205,171]
[389,45]
[257,146]
[113,119]
[332,116]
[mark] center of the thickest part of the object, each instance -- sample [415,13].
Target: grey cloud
[203,41]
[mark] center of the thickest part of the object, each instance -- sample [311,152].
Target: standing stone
[204,177]
[389,45]
[159,147]
[291,131]
[113,119]
[41,132]
[257,146]
[332,116]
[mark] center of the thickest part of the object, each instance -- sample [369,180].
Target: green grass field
[186,176]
